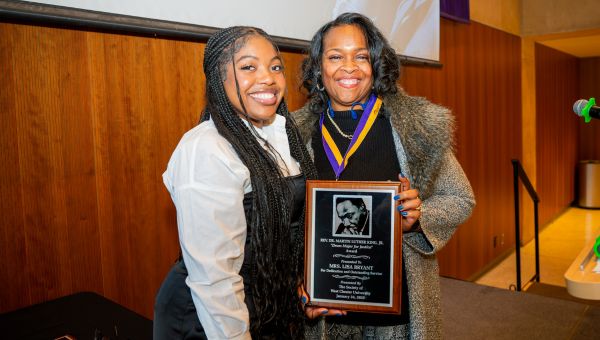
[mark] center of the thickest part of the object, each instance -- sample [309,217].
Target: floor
[473,311]
[560,243]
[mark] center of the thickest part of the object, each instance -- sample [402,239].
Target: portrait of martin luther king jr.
[354,216]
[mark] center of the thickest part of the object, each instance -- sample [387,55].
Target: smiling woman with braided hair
[237,181]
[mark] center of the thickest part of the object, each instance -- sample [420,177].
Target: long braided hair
[276,275]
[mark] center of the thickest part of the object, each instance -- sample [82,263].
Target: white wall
[411,25]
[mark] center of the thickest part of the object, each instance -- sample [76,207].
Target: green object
[597,247]
[586,113]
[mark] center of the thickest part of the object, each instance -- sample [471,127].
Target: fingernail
[402,175]
[338,314]
[400,207]
[325,311]
[397,197]
[404,213]
[303,299]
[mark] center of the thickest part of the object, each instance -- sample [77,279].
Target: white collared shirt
[207,182]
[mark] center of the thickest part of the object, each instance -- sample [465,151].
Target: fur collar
[425,129]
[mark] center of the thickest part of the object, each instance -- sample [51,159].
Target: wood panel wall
[481,83]
[589,86]
[90,119]
[556,137]
[89,122]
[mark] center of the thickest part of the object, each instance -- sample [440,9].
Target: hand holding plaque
[313,312]
[353,246]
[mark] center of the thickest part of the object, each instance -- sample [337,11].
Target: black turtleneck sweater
[375,160]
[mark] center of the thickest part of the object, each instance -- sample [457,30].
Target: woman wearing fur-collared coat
[350,72]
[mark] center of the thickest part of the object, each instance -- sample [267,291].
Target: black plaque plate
[353,247]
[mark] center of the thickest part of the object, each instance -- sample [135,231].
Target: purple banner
[455,10]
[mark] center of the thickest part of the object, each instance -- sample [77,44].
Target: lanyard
[337,161]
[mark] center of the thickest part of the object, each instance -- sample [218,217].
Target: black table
[83,315]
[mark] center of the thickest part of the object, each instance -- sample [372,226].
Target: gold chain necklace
[347,136]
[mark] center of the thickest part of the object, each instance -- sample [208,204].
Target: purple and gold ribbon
[337,161]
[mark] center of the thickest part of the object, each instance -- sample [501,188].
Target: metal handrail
[519,173]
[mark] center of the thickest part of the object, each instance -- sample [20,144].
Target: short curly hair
[384,62]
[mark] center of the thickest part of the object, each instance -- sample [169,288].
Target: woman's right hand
[314,312]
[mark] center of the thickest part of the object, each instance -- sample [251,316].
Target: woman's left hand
[409,205]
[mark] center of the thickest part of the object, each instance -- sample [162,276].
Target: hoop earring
[320,86]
